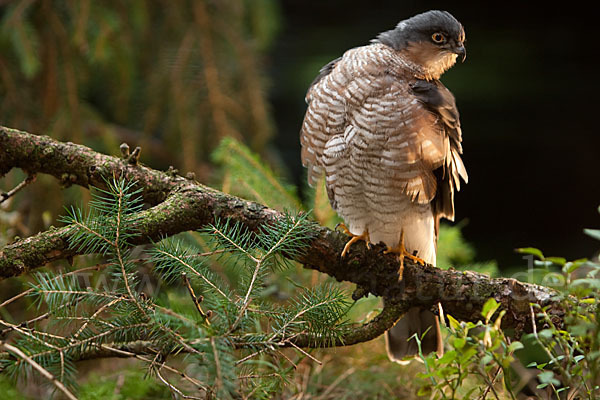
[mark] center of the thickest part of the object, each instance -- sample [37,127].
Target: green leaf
[545,333]
[470,325]
[548,378]
[556,260]
[466,357]
[541,385]
[448,357]
[485,360]
[454,324]
[489,308]
[572,266]
[514,346]
[595,233]
[459,343]
[531,250]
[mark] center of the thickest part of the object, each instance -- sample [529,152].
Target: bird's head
[432,40]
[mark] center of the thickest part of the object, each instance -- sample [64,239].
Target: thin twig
[533,324]
[39,368]
[556,362]
[301,350]
[219,381]
[254,376]
[235,245]
[210,253]
[259,264]
[26,324]
[82,342]
[16,189]
[490,385]
[195,299]
[96,267]
[91,231]
[183,375]
[98,312]
[26,332]
[117,246]
[238,362]
[298,315]
[188,266]
[173,387]
[172,313]
[288,359]
[246,299]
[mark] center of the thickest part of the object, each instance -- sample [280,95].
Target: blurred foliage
[127,384]
[454,251]
[244,174]
[8,390]
[174,77]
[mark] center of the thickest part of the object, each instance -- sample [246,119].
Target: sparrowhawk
[386,133]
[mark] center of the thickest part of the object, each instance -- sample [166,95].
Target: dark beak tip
[462,53]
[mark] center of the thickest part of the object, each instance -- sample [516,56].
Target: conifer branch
[353,335]
[195,299]
[178,205]
[18,353]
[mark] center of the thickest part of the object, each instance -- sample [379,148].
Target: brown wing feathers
[422,149]
[440,101]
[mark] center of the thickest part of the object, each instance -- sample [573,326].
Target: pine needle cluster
[228,338]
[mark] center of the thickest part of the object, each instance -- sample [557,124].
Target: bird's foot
[354,238]
[402,253]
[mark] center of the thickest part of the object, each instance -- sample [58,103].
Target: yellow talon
[401,251]
[354,238]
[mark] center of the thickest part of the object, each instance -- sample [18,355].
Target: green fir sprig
[223,330]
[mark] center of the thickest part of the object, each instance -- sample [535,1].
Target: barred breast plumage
[386,134]
[377,145]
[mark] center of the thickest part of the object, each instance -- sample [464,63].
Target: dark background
[527,94]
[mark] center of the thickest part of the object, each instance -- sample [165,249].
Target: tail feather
[416,321]
[421,235]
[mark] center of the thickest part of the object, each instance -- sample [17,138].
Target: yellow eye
[438,37]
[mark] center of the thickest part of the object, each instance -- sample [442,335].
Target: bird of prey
[386,133]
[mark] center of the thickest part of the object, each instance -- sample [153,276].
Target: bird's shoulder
[376,63]
[440,101]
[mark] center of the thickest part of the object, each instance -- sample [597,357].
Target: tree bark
[177,204]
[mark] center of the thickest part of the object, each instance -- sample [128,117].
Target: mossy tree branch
[177,204]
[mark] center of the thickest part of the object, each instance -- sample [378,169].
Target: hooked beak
[460,51]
